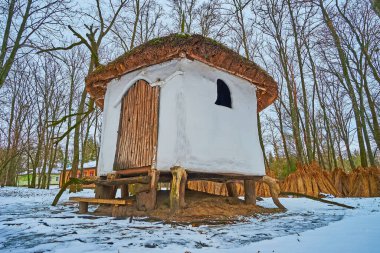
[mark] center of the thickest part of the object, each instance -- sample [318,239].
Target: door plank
[138,127]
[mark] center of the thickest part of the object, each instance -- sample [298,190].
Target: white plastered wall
[193,131]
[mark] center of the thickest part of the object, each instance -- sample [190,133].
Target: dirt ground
[201,208]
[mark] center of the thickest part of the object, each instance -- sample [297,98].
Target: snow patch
[29,224]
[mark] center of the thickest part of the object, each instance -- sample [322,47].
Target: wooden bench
[83,202]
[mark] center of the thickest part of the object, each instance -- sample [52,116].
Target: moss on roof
[195,47]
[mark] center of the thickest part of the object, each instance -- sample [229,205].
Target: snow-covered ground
[29,224]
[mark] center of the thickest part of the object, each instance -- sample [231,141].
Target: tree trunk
[308,140]
[279,114]
[261,140]
[137,2]
[368,61]
[330,144]
[350,89]
[74,168]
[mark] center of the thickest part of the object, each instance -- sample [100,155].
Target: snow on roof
[53,171]
[58,170]
[89,164]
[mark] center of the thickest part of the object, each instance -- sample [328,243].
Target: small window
[224,94]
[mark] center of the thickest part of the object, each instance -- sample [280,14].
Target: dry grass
[310,180]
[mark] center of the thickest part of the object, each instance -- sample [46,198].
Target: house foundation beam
[275,190]
[250,192]
[146,195]
[83,207]
[105,192]
[124,191]
[123,181]
[178,188]
[232,189]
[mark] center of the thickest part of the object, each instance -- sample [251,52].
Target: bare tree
[92,41]
[26,23]
[211,20]
[184,12]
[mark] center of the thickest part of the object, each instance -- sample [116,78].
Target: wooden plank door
[138,127]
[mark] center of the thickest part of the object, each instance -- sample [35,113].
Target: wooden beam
[124,191]
[128,180]
[102,201]
[182,190]
[219,177]
[134,171]
[177,188]
[104,191]
[250,192]
[83,207]
[166,176]
[141,188]
[146,200]
[316,199]
[232,189]
[275,190]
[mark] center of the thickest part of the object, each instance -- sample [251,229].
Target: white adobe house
[206,109]
[181,100]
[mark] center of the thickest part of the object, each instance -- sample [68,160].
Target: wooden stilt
[146,200]
[250,192]
[182,190]
[105,192]
[232,189]
[116,211]
[177,188]
[83,207]
[124,191]
[275,190]
[141,188]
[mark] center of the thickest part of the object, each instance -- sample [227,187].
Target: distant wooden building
[24,179]
[181,101]
[87,172]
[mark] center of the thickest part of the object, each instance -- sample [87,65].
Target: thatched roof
[195,47]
